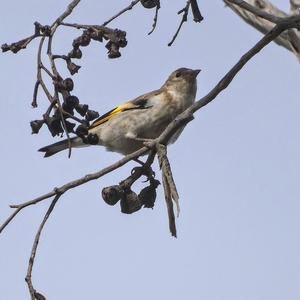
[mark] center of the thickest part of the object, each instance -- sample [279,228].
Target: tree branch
[262,15]
[34,248]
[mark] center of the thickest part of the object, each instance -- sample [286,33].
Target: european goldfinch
[123,129]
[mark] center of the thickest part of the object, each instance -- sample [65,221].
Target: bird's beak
[196,72]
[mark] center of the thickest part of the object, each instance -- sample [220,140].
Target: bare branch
[262,15]
[129,7]
[155,17]
[34,248]
[184,12]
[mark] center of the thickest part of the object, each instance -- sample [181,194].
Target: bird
[125,128]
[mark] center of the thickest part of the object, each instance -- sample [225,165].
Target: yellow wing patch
[104,118]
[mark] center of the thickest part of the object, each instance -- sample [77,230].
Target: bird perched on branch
[125,128]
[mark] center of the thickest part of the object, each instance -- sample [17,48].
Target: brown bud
[54,125]
[82,109]
[130,202]
[91,115]
[92,139]
[36,126]
[85,40]
[70,126]
[72,101]
[68,84]
[73,68]
[112,194]
[149,3]
[81,130]
[147,195]
[75,53]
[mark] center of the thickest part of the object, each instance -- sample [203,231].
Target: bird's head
[183,79]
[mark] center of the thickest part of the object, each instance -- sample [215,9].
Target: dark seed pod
[70,126]
[68,84]
[81,130]
[54,125]
[75,53]
[113,50]
[96,35]
[85,40]
[91,115]
[45,30]
[147,195]
[82,109]
[68,108]
[36,126]
[72,101]
[76,42]
[92,139]
[73,68]
[112,194]
[130,202]
[149,3]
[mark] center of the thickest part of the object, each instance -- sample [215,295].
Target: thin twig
[34,248]
[155,17]
[185,12]
[256,11]
[129,7]
[72,184]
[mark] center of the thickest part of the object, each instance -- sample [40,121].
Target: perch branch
[262,15]
[34,248]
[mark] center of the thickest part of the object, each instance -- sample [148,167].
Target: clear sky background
[236,166]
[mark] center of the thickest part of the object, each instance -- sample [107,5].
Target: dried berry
[91,115]
[68,108]
[92,139]
[70,126]
[147,195]
[149,3]
[112,194]
[72,101]
[85,40]
[82,109]
[75,53]
[130,202]
[81,130]
[54,125]
[45,30]
[76,42]
[36,125]
[68,84]
[73,68]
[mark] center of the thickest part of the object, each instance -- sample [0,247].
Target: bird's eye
[178,74]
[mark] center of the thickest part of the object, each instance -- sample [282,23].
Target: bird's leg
[139,161]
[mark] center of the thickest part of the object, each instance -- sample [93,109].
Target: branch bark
[262,14]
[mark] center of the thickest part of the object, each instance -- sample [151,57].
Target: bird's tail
[60,146]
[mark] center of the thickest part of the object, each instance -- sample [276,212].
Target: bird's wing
[141,102]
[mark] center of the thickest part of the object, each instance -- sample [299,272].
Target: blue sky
[236,166]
